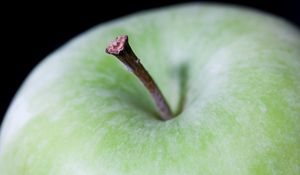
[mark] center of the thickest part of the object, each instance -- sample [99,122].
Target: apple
[231,76]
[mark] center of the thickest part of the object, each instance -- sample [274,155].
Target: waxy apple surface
[238,71]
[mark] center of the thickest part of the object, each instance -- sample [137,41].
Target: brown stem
[122,50]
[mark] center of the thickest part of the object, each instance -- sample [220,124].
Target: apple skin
[81,112]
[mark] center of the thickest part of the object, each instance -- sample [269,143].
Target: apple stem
[121,49]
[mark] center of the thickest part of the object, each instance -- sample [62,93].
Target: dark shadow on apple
[182,73]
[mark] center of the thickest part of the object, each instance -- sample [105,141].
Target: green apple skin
[81,112]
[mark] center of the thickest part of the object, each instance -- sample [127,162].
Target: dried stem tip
[122,50]
[116,46]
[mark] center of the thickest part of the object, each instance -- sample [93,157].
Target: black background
[32,31]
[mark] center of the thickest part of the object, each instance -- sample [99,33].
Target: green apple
[235,73]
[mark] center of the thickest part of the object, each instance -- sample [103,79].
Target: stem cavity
[121,49]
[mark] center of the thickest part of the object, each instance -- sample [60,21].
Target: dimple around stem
[121,49]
